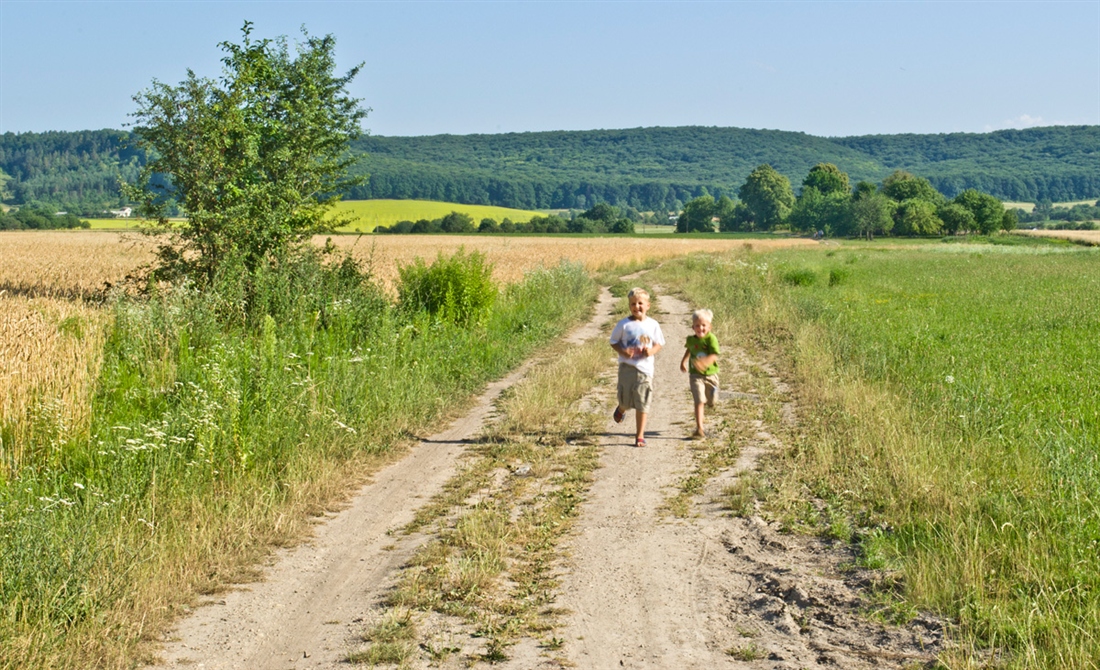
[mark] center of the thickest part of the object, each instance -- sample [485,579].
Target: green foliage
[255,160]
[917,217]
[814,211]
[827,179]
[901,186]
[697,216]
[872,214]
[768,195]
[458,290]
[39,218]
[988,211]
[956,218]
[648,169]
[799,277]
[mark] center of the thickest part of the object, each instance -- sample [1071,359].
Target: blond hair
[638,291]
[702,315]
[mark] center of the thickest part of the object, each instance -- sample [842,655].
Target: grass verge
[951,423]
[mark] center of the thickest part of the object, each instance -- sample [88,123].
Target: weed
[749,652]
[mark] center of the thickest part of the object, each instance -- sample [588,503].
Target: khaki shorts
[704,388]
[635,389]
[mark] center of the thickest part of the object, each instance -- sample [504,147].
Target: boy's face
[639,305]
[700,327]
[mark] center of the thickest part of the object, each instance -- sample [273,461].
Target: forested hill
[644,167]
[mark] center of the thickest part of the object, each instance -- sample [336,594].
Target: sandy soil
[639,588]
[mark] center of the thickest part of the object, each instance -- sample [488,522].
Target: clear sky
[821,67]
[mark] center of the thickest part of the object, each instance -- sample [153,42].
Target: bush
[801,277]
[458,290]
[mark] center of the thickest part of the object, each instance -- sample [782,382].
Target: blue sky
[824,68]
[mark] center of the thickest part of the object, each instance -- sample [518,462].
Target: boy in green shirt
[701,363]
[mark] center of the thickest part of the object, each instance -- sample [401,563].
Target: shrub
[458,290]
[800,277]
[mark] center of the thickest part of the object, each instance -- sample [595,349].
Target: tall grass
[951,410]
[220,422]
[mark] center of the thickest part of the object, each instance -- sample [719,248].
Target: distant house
[123,213]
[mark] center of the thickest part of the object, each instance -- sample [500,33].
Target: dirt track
[638,587]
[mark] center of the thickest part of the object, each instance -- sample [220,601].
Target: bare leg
[640,419]
[699,418]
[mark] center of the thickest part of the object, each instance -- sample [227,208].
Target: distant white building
[123,213]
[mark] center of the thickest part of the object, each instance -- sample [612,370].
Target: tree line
[644,168]
[35,218]
[827,204]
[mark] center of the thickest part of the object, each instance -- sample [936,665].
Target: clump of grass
[391,641]
[748,652]
[799,277]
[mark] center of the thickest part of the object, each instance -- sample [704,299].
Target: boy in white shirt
[637,339]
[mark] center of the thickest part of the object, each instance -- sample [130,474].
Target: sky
[453,66]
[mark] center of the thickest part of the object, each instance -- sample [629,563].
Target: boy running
[701,363]
[637,339]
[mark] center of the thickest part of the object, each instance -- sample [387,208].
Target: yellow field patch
[374,213]
[1089,237]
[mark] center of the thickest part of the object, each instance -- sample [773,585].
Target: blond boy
[636,339]
[701,363]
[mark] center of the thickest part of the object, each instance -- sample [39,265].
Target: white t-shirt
[631,333]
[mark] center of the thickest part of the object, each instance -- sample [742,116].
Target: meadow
[949,404]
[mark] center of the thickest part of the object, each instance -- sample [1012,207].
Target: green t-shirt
[698,347]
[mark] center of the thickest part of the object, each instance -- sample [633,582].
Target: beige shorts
[704,388]
[635,389]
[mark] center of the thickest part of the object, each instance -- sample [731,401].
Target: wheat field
[51,336]
[50,351]
[78,264]
[1089,237]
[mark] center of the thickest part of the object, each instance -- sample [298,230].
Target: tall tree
[768,194]
[254,159]
[988,211]
[827,179]
[901,185]
[697,216]
[872,214]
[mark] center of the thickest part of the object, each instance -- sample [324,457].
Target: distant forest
[645,168]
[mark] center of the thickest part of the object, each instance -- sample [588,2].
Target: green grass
[216,435]
[374,213]
[951,423]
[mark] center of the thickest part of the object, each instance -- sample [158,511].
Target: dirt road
[639,588]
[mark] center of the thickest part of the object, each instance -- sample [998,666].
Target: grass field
[950,427]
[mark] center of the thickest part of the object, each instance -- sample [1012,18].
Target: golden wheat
[513,256]
[1089,237]
[50,351]
[79,263]
[68,264]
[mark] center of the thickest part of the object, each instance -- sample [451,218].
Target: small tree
[254,160]
[827,179]
[697,215]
